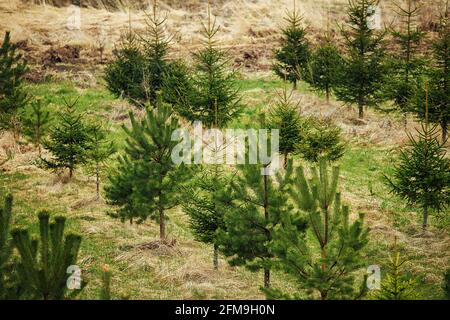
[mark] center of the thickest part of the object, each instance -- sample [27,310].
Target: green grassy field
[186,271]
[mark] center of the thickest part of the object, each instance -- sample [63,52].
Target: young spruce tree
[13,96]
[100,150]
[439,80]
[324,259]
[36,123]
[285,116]
[214,99]
[363,70]
[68,141]
[148,183]
[422,176]
[258,203]
[406,63]
[293,56]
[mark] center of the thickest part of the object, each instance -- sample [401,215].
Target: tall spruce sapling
[36,123]
[44,262]
[68,141]
[149,183]
[205,205]
[13,95]
[439,80]
[257,204]
[322,139]
[363,70]
[293,56]
[422,176]
[324,259]
[214,99]
[324,68]
[155,42]
[6,250]
[285,116]
[406,62]
[100,150]
[124,75]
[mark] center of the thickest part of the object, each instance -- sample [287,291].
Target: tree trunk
[295,85]
[286,158]
[266,278]
[162,224]
[425,218]
[327,90]
[361,111]
[216,257]
[97,181]
[70,172]
[444,128]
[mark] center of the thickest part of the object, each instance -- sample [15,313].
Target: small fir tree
[214,99]
[322,139]
[204,204]
[285,116]
[68,141]
[155,44]
[257,203]
[44,263]
[324,68]
[325,258]
[36,123]
[439,80]
[406,62]
[151,180]
[396,284]
[124,76]
[100,150]
[13,96]
[422,175]
[363,70]
[293,56]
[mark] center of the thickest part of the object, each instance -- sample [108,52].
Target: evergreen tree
[13,96]
[363,69]
[69,140]
[36,123]
[149,183]
[406,64]
[44,264]
[286,118]
[422,175]
[6,249]
[325,258]
[257,203]
[124,76]
[439,84]
[156,44]
[396,284]
[293,56]
[324,68]
[100,150]
[322,139]
[214,98]
[204,205]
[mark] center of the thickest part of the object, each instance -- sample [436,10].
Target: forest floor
[141,268]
